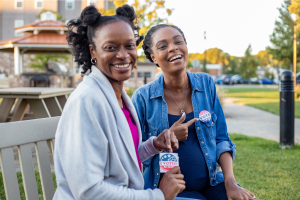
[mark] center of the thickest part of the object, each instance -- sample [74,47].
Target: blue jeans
[217,192]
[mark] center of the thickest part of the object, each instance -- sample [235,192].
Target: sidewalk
[254,122]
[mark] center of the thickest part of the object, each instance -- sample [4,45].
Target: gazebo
[46,36]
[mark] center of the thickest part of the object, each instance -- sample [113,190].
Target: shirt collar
[158,86]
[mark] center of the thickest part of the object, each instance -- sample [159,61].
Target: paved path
[254,122]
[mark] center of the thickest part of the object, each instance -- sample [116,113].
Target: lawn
[261,98]
[267,171]
[259,166]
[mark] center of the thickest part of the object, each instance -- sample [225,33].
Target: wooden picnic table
[43,102]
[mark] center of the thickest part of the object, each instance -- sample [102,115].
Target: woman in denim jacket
[174,102]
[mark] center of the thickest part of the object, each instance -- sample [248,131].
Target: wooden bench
[24,134]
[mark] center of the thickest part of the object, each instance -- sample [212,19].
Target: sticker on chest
[204,116]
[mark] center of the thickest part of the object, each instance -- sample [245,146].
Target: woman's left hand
[166,141]
[234,192]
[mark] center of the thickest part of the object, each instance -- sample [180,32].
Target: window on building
[92,2]
[19,4]
[70,4]
[39,4]
[140,74]
[18,23]
[147,74]
[132,75]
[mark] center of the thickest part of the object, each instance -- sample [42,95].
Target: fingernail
[182,114]
[198,119]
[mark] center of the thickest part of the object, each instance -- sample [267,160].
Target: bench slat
[28,174]
[10,180]
[44,169]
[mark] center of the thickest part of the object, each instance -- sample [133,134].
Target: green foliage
[189,65]
[234,66]
[40,60]
[249,64]
[269,172]
[282,37]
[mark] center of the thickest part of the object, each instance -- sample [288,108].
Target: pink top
[134,133]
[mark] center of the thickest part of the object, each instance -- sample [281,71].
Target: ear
[153,58]
[92,51]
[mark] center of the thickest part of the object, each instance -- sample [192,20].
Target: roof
[50,24]
[42,38]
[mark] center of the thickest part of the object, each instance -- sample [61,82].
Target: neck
[176,82]
[118,87]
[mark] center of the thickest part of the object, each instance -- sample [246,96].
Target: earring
[135,67]
[93,61]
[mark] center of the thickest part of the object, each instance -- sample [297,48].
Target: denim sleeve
[224,144]
[140,109]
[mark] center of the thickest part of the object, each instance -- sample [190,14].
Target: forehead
[165,33]
[114,31]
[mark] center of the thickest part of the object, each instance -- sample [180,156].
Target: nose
[122,54]
[173,47]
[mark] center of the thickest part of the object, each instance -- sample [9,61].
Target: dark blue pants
[217,192]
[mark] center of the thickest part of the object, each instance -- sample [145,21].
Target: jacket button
[198,128]
[210,167]
[155,185]
[202,142]
[157,174]
[211,179]
[206,154]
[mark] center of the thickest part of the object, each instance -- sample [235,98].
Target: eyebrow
[174,37]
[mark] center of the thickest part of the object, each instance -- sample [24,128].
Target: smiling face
[169,50]
[115,51]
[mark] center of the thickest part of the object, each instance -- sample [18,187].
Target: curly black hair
[147,44]
[81,31]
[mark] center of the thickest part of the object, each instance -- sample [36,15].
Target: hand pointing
[180,129]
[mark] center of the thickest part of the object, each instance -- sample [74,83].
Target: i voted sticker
[167,161]
[204,116]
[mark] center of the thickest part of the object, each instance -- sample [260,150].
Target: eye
[110,48]
[178,42]
[131,46]
[162,46]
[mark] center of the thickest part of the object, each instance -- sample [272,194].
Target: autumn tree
[249,64]
[147,13]
[282,38]
[39,61]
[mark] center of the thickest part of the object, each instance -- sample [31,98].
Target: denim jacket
[213,138]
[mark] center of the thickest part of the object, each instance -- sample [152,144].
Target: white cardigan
[94,154]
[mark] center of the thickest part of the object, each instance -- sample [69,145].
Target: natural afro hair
[81,31]
[147,44]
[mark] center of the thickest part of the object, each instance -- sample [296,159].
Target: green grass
[263,168]
[261,98]
[21,187]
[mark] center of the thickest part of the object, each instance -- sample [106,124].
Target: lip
[121,69]
[177,54]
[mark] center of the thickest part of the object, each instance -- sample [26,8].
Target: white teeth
[121,66]
[173,58]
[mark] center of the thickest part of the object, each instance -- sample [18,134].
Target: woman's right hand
[172,183]
[181,129]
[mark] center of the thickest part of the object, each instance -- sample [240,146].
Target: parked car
[266,81]
[220,79]
[254,80]
[237,79]
[227,79]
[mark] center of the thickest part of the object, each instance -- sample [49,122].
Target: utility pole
[204,63]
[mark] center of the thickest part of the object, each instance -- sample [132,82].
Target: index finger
[168,140]
[191,122]
[177,123]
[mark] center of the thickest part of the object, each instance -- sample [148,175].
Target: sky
[230,25]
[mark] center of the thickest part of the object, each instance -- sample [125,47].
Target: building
[17,13]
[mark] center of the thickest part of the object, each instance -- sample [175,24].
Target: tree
[249,64]
[146,12]
[282,38]
[39,61]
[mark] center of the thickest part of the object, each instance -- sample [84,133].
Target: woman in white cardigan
[98,150]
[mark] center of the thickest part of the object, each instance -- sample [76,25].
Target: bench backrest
[23,134]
